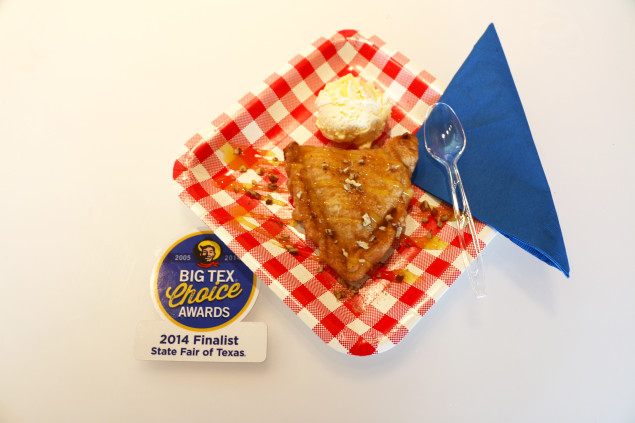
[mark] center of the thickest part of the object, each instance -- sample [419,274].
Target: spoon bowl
[444,135]
[445,142]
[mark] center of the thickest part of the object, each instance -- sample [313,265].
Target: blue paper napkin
[500,168]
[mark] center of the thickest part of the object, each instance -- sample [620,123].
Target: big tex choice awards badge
[203,290]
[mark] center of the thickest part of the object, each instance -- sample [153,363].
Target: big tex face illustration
[207,251]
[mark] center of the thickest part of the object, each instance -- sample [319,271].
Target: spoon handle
[475,269]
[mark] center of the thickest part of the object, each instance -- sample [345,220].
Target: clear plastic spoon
[445,141]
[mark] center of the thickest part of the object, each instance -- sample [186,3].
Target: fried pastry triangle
[353,203]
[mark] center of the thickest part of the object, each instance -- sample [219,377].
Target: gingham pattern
[266,120]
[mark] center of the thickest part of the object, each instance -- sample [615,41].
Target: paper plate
[226,166]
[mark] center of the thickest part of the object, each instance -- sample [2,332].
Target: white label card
[161,340]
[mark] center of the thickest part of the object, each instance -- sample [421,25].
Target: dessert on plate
[350,110]
[353,203]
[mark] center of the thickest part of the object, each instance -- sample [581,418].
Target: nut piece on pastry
[350,110]
[353,203]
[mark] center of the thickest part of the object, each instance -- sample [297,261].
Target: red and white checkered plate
[214,180]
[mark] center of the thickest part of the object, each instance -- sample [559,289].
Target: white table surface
[96,98]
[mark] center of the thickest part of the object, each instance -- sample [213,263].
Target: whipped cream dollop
[350,110]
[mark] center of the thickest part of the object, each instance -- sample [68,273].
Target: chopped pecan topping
[363,245]
[253,194]
[290,248]
[353,182]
